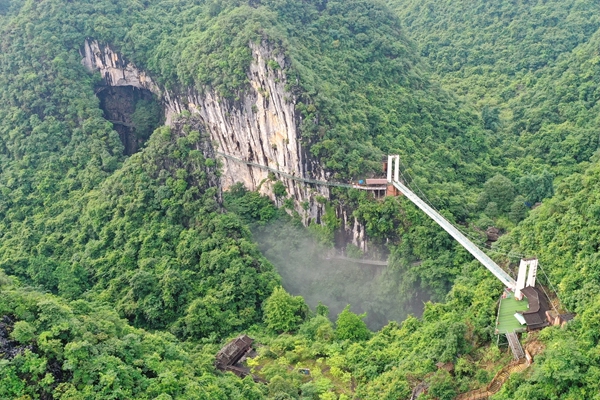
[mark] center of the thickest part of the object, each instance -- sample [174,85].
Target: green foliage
[145,117]
[500,190]
[281,389]
[350,326]
[529,67]
[147,234]
[561,232]
[152,239]
[491,118]
[84,350]
[23,332]
[279,189]
[249,205]
[322,309]
[536,187]
[317,328]
[284,312]
[492,209]
[518,209]
[441,386]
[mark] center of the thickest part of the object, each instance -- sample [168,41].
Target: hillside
[61,155]
[512,61]
[129,255]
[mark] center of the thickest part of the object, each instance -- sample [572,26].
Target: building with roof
[535,316]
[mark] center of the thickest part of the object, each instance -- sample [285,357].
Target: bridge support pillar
[393,165]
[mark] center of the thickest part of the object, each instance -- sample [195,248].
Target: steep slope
[272,101]
[328,87]
[526,66]
[564,234]
[55,349]
[485,49]
[557,115]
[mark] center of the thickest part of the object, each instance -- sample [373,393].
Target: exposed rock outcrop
[9,348]
[493,234]
[115,70]
[261,127]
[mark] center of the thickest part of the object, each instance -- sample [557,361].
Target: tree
[350,326]
[279,388]
[317,328]
[492,209]
[500,190]
[518,209]
[23,332]
[322,309]
[491,118]
[279,191]
[441,385]
[145,118]
[284,312]
[535,188]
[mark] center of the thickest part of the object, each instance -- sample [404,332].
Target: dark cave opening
[135,113]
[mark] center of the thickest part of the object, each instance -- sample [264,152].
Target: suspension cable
[289,176]
[410,182]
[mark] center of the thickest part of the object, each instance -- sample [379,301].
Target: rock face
[493,234]
[260,128]
[114,69]
[257,132]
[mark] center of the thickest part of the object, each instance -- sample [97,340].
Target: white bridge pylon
[394,166]
[527,270]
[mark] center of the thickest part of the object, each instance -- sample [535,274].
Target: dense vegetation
[120,276]
[82,350]
[528,67]
[564,233]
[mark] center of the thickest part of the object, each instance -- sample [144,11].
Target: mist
[311,270]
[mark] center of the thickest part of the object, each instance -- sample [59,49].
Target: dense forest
[125,266]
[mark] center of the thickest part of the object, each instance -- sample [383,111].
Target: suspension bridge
[523,306]
[298,178]
[512,317]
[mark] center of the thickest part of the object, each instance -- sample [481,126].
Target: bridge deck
[487,262]
[361,261]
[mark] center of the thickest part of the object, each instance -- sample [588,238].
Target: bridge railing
[483,258]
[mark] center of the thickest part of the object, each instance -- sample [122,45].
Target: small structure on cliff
[535,317]
[557,319]
[379,187]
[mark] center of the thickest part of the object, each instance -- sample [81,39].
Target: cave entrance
[135,113]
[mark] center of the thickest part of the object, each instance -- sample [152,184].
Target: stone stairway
[497,382]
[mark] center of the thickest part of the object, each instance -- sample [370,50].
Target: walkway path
[496,384]
[300,179]
[360,260]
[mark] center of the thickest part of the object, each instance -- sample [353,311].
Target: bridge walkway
[483,258]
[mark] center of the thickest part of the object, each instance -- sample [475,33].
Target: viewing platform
[506,321]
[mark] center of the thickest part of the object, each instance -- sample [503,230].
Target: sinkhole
[135,113]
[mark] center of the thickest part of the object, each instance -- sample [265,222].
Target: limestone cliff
[115,70]
[261,127]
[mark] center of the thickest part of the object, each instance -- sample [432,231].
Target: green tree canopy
[284,312]
[500,190]
[536,187]
[350,326]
